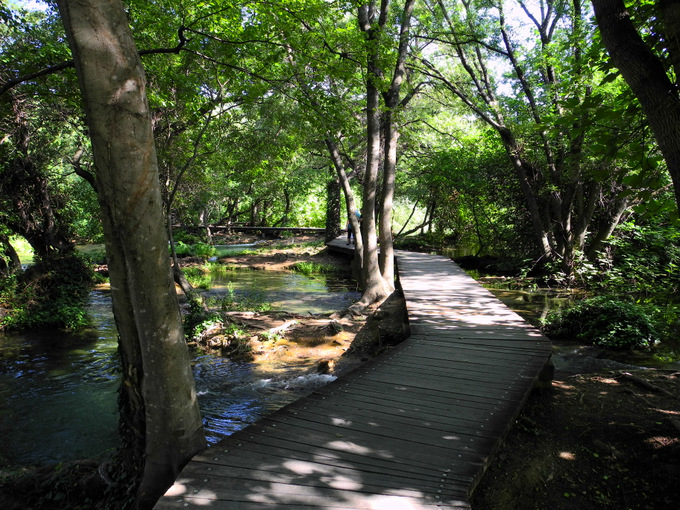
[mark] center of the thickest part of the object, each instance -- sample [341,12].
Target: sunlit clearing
[567,456]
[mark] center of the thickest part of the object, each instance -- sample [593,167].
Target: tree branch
[10,84]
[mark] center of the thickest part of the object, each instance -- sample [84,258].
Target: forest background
[503,126]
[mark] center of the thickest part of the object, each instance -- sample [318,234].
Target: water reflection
[284,290]
[58,392]
[534,305]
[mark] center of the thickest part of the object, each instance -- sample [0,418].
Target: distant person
[349,227]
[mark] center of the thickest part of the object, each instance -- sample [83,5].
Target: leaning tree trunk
[350,203]
[10,262]
[159,409]
[391,136]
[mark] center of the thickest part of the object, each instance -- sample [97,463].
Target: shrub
[51,293]
[203,250]
[603,321]
[253,301]
[310,268]
[198,277]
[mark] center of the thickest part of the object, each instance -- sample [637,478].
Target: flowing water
[58,392]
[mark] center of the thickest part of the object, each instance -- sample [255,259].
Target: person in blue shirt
[349,227]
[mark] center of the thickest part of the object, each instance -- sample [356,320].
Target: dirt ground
[592,441]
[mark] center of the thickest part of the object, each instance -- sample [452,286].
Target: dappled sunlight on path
[412,429]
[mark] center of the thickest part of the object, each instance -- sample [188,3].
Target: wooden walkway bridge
[413,429]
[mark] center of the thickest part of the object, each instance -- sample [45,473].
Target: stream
[58,391]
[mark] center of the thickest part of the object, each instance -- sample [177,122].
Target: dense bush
[603,321]
[50,293]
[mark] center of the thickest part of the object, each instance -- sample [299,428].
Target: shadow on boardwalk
[412,429]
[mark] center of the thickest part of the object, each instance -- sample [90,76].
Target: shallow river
[58,392]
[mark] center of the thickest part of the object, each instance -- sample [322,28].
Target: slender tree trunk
[606,227]
[349,201]
[333,206]
[160,418]
[376,288]
[389,178]
[390,138]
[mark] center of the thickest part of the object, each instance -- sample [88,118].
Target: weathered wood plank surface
[412,429]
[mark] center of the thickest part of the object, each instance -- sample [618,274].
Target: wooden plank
[405,447]
[240,450]
[198,491]
[465,406]
[455,350]
[422,395]
[367,458]
[402,382]
[311,475]
[278,465]
[465,370]
[378,424]
[411,419]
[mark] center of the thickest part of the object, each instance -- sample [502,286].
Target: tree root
[645,384]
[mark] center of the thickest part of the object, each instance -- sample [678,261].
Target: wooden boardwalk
[412,429]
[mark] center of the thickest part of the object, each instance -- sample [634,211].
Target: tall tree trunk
[390,138]
[160,415]
[374,286]
[646,75]
[333,206]
[389,177]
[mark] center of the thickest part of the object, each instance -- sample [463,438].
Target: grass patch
[254,301]
[310,268]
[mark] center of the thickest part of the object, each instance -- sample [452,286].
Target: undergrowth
[604,321]
[52,293]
